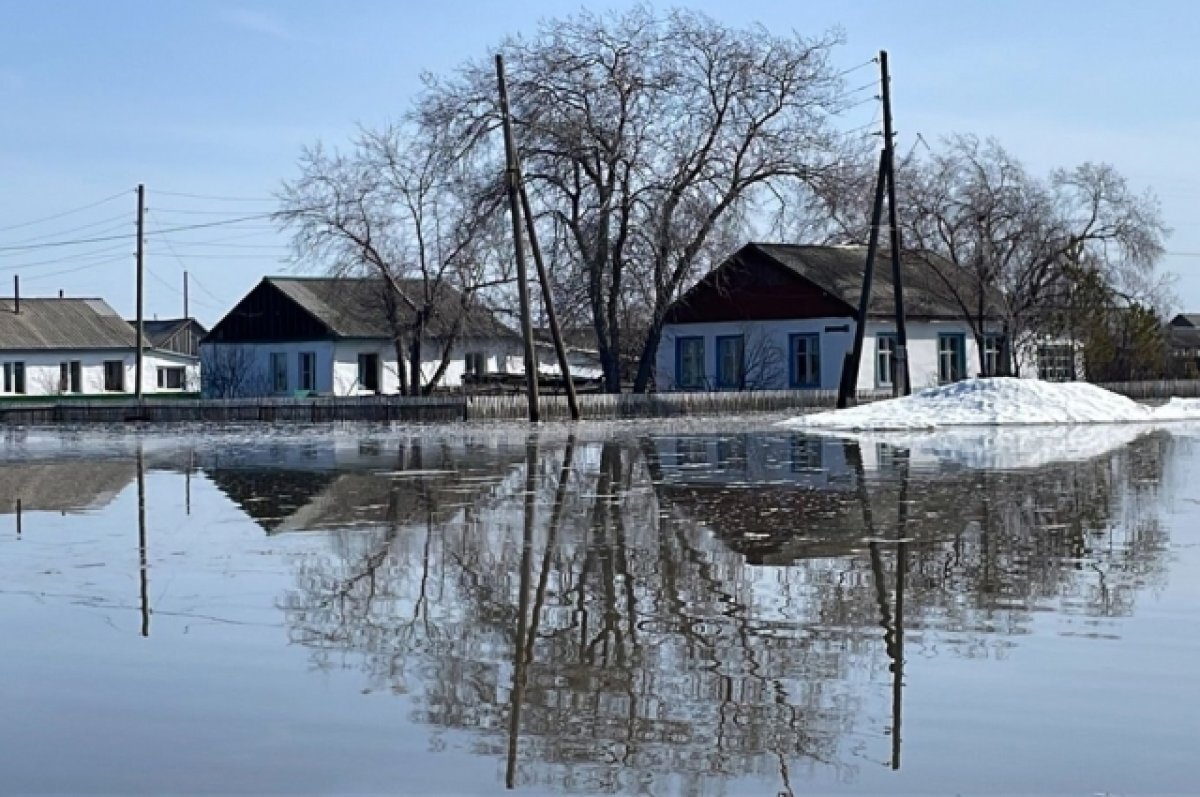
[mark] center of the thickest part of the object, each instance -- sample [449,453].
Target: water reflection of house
[369,485]
[779,498]
[76,485]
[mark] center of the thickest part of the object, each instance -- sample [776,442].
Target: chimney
[16,293]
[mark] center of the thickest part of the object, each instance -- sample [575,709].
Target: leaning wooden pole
[901,385]
[847,390]
[512,174]
[560,350]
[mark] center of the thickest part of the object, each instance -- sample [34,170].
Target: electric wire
[70,212]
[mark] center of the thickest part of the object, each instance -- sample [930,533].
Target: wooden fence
[1156,389]
[444,408]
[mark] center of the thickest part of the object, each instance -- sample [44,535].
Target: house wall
[337,364]
[767,347]
[42,370]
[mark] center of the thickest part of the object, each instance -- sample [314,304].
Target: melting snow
[999,401]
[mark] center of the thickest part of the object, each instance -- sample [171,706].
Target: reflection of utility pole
[898,615]
[187,483]
[891,618]
[517,695]
[142,569]
[18,518]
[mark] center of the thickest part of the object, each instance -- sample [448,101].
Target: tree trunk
[649,358]
[415,362]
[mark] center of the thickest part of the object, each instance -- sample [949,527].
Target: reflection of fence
[282,410]
[439,408]
[609,406]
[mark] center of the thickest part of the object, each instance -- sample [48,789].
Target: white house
[56,346]
[776,316]
[331,336]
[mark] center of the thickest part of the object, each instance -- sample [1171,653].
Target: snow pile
[998,401]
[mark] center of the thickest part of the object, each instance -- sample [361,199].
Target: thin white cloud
[257,21]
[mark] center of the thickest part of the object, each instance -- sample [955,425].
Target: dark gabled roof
[160,330]
[1186,320]
[62,324]
[354,307]
[839,270]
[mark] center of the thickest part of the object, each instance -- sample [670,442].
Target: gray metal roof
[839,270]
[63,486]
[354,307]
[62,324]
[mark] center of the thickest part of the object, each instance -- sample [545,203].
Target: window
[307,366]
[114,375]
[368,372]
[14,377]
[171,378]
[474,363]
[731,351]
[952,359]
[806,454]
[885,360]
[993,345]
[279,380]
[70,377]
[689,363]
[1056,362]
[805,361]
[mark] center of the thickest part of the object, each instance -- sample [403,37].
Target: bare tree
[230,371]
[647,139]
[394,208]
[1005,243]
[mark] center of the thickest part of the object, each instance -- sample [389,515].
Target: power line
[106,251]
[101,239]
[863,65]
[79,209]
[216,198]
[36,277]
[123,218]
[200,285]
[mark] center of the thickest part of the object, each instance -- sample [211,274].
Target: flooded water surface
[715,609]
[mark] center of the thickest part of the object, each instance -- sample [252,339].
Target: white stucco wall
[768,342]
[42,370]
[337,364]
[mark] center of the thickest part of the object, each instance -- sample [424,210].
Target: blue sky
[216,99]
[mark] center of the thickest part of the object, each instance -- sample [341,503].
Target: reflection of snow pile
[1002,448]
[1000,401]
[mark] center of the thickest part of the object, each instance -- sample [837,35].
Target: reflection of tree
[601,633]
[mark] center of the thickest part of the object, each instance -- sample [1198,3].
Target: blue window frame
[952,357]
[689,363]
[731,353]
[804,360]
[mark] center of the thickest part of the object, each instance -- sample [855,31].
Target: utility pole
[560,350]
[848,389]
[141,220]
[513,180]
[185,296]
[900,385]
